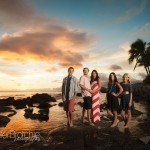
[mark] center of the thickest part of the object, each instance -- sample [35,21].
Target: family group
[90,89]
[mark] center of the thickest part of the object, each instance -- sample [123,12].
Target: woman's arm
[130,90]
[99,86]
[120,90]
[130,102]
[107,94]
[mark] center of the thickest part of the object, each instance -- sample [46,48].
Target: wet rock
[44,111]
[7,102]
[12,114]
[41,117]
[61,104]
[80,104]
[145,139]
[136,113]
[38,98]
[103,107]
[103,90]
[28,112]
[5,109]
[19,104]
[44,105]
[4,120]
[29,102]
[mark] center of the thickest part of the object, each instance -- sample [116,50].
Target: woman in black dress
[114,90]
[126,99]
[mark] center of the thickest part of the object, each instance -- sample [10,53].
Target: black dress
[125,98]
[113,103]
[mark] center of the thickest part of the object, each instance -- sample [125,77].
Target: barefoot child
[126,99]
[112,96]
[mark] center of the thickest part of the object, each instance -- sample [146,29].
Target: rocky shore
[42,100]
[81,136]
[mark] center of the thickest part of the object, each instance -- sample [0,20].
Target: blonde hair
[126,74]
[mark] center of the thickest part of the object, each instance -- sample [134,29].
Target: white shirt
[85,81]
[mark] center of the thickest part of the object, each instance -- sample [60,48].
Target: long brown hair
[97,76]
[110,79]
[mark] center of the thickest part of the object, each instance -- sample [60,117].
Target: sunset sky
[40,39]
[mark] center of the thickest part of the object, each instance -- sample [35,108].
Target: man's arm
[62,89]
[81,84]
[75,89]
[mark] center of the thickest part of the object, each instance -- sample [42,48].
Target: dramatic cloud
[115,67]
[17,14]
[42,39]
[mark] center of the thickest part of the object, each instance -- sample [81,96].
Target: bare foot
[92,124]
[71,124]
[126,126]
[84,121]
[113,125]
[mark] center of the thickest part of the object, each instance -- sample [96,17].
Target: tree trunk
[146,70]
[135,65]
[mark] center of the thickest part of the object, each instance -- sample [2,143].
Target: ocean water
[57,116]
[23,94]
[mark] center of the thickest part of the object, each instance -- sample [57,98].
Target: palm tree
[140,52]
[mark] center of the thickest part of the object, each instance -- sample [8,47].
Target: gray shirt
[73,87]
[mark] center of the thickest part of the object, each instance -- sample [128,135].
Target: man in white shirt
[86,94]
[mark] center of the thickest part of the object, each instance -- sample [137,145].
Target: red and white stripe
[95,103]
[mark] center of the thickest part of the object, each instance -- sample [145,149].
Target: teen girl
[114,90]
[126,99]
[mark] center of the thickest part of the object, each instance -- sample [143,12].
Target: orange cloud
[40,38]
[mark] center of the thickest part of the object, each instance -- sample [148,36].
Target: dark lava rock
[4,120]
[41,117]
[7,102]
[103,106]
[19,104]
[44,105]
[28,112]
[103,90]
[61,104]
[80,104]
[12,114]
[44,111]
[37,98]
[5,109]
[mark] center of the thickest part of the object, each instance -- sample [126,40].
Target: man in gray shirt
[69,91]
